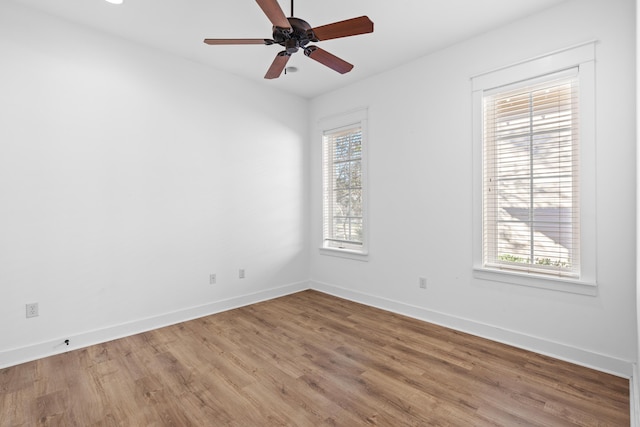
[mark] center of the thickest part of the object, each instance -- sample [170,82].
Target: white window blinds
[342,188]
[531,216]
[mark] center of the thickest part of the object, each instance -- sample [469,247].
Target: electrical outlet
[422,282]
[241,273]
[212,279]
[32,310]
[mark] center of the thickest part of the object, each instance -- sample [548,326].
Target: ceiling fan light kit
[294,34]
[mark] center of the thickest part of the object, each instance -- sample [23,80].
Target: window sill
[537,281]
[345,253]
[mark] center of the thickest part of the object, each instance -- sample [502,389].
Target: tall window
[342,188]
[534,210]
[531,186]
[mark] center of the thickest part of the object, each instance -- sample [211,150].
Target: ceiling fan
[294,34]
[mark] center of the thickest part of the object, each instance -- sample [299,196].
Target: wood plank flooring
[308,359]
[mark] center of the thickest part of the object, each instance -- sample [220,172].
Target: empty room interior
[425,215]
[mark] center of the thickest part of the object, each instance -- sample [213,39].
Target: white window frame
[327,125]
[581,57]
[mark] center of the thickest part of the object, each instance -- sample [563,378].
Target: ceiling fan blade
[277,65]
[235,41]
[328,59]
[274,12]
[350,27]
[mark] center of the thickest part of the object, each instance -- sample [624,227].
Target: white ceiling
[403,31]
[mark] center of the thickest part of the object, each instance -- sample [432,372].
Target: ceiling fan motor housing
[300,34]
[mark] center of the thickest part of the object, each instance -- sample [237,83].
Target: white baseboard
[634,397]
[557,350]
[49,348]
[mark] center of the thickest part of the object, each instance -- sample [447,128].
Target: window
[535,162]
[344,225]
[531,214]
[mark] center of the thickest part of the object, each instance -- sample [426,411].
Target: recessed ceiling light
[115,1]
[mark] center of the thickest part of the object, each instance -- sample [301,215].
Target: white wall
[127,176]
[420,193]
[635,385]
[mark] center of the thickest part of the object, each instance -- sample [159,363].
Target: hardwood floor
[308,359]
